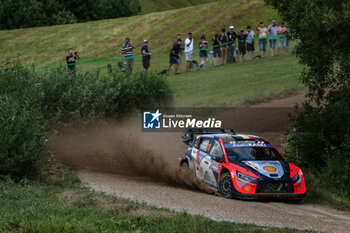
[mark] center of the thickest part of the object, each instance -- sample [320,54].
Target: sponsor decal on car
[214,166]
[267,167]
[270,168]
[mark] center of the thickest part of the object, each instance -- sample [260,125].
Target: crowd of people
[228,46]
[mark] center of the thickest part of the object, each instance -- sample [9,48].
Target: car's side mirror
[218,158]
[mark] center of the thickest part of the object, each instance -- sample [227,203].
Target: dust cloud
[122,148]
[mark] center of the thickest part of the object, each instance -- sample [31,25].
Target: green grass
[237,84]
[103,39]
[149,6]
[230,85]
[63,206]
[319,193]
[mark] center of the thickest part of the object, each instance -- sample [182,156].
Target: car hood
[271,169]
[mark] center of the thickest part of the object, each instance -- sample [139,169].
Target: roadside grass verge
[320,194]
[61,205]
[237,84]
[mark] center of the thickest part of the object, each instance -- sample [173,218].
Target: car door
[201,157]
[214,165]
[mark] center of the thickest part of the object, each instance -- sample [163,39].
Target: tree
[322,137]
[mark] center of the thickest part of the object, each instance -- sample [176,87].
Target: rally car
[240,166]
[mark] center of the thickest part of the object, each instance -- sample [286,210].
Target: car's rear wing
[188,135]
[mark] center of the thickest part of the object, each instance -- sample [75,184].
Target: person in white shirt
[188,50]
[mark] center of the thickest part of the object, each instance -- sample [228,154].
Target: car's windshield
[237,154]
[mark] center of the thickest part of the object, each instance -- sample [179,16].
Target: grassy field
[61,205]
[149,6]
[230,85]
[103,39]
[237,84]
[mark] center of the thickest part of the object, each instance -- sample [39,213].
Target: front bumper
[275,196]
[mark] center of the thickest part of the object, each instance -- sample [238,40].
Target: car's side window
[196,142]
[205,145]
[216,149]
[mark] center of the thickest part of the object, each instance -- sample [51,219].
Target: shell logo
[270,168]
[247,188]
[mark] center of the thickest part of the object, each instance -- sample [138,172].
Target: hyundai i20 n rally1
[241,166]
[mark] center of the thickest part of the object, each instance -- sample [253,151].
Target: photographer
[71,61]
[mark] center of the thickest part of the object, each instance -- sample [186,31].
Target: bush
[321,144]
[61,97]
[30,99]
[92,95]
[22,140]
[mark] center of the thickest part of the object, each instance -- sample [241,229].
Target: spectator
[289,37]
[232,46]
[70,59]
[282,40]
[250,42]
[242,37]
[263,33]
[216,50]
[223,42]
[127,50]
[181,47]
[146,55]
[273,33]
[203,53]
[188,50]
[175,57]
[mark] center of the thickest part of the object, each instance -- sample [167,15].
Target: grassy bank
[61,205]
[237,84]
[103,39]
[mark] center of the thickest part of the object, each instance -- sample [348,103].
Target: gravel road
[278,214]
[117,158]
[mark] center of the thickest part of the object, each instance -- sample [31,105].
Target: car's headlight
[296,178]
[246,177]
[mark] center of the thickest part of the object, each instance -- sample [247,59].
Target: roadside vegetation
[321,140]
[60,204]
[33,103]
[39,195]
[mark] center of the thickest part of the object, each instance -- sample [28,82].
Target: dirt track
[121,160]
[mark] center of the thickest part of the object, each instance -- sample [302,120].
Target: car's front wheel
[226,186]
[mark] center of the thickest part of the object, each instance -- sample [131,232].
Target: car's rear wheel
[184,167]
[225,185]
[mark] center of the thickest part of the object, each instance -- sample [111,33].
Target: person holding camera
[127,50]
[175,57]
[203,53]
[70,59]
